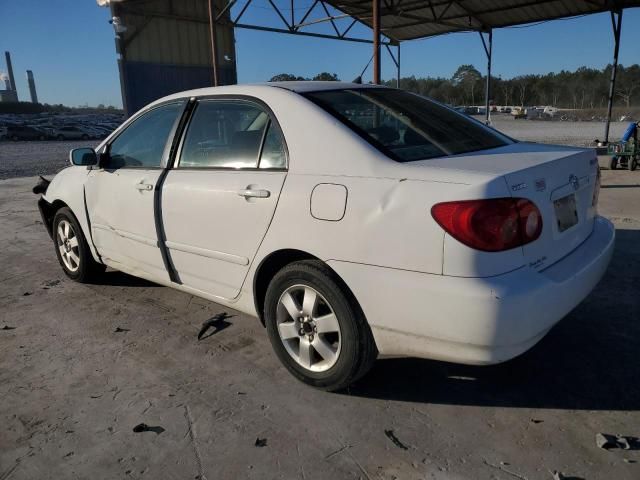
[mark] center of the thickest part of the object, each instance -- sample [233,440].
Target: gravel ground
[580,134]
[25,159]
[22,159]
[82,365]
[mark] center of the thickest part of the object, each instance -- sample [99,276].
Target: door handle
[144,186]
[250,193]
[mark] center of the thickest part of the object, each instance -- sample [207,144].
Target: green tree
[467,77]
[286,77]
[327,77]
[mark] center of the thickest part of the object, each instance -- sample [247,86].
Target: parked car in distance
[16,132]
[352,220]
[519,113]
[69,133]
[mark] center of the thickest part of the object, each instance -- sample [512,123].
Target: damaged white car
[353,220]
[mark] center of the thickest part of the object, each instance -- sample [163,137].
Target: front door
[218,202]
[121,194]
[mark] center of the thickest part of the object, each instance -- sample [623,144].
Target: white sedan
[352,220]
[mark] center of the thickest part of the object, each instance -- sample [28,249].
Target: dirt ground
[82,365]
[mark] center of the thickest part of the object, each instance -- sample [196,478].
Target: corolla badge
[575,181]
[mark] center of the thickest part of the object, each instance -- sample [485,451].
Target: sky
[70,47]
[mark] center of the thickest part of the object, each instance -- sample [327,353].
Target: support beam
[398,68]
[376,40]
[212,34]
[616,20]
[396,62]
[488,49]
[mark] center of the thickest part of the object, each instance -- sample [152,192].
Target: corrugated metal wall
[166,48]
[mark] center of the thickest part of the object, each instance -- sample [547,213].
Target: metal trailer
[626,152]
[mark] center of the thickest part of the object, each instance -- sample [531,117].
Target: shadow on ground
[114,278]
[589,361]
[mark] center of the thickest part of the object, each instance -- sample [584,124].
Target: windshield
[406,126]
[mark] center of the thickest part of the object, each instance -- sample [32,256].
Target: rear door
[121,194]
[218,201]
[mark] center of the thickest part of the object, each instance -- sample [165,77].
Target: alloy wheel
[308,328]
[67,242]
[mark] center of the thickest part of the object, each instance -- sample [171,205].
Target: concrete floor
[72,387]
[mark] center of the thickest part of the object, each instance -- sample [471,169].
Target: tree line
[583,88]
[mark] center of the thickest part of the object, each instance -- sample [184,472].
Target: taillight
[491,225]
[596,190]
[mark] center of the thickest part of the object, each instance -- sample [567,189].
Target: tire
[76,261]
[632,163]
[613,163]
[352,349]
[85,137]
[15,138]
[41,138]
[60,137]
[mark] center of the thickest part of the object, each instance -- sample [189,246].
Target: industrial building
[9,94]
[164,46]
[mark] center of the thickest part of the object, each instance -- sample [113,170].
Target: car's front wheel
[316,328]
[72,249]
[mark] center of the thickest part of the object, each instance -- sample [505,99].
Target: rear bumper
[475,320]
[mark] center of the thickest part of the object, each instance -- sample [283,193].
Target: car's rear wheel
[633,163]
[60,137]
[72,249]
[613,163]
[316,328]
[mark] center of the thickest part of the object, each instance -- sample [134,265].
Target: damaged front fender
[47,212]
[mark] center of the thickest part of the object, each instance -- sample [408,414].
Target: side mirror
[84,157]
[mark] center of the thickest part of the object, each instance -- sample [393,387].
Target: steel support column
[398,68]
[212,34]
[376,40]
[488,48]
[616,20]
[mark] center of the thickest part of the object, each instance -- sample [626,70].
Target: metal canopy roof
[411,19]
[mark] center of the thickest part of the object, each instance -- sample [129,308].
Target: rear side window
[142,143]
[273,153]
[405,126]
[224,134]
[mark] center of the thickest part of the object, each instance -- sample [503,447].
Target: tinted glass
[273,154]
[224,134]
[406,126]
[142,143]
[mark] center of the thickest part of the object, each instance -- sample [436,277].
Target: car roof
[255,88]
[316,86]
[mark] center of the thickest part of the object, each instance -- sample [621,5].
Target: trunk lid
[559,180]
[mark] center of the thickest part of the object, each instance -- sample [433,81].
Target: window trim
[106,150]
[231,97]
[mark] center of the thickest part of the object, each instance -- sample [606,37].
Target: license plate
[566,212]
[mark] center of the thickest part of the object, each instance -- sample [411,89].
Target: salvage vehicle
[352,220]
[69,132]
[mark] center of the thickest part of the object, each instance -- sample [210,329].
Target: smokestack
[32,87]
[7,56]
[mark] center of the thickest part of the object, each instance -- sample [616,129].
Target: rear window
[406,126]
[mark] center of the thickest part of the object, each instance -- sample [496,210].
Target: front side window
[142,143]
[224,134]
[405,126]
